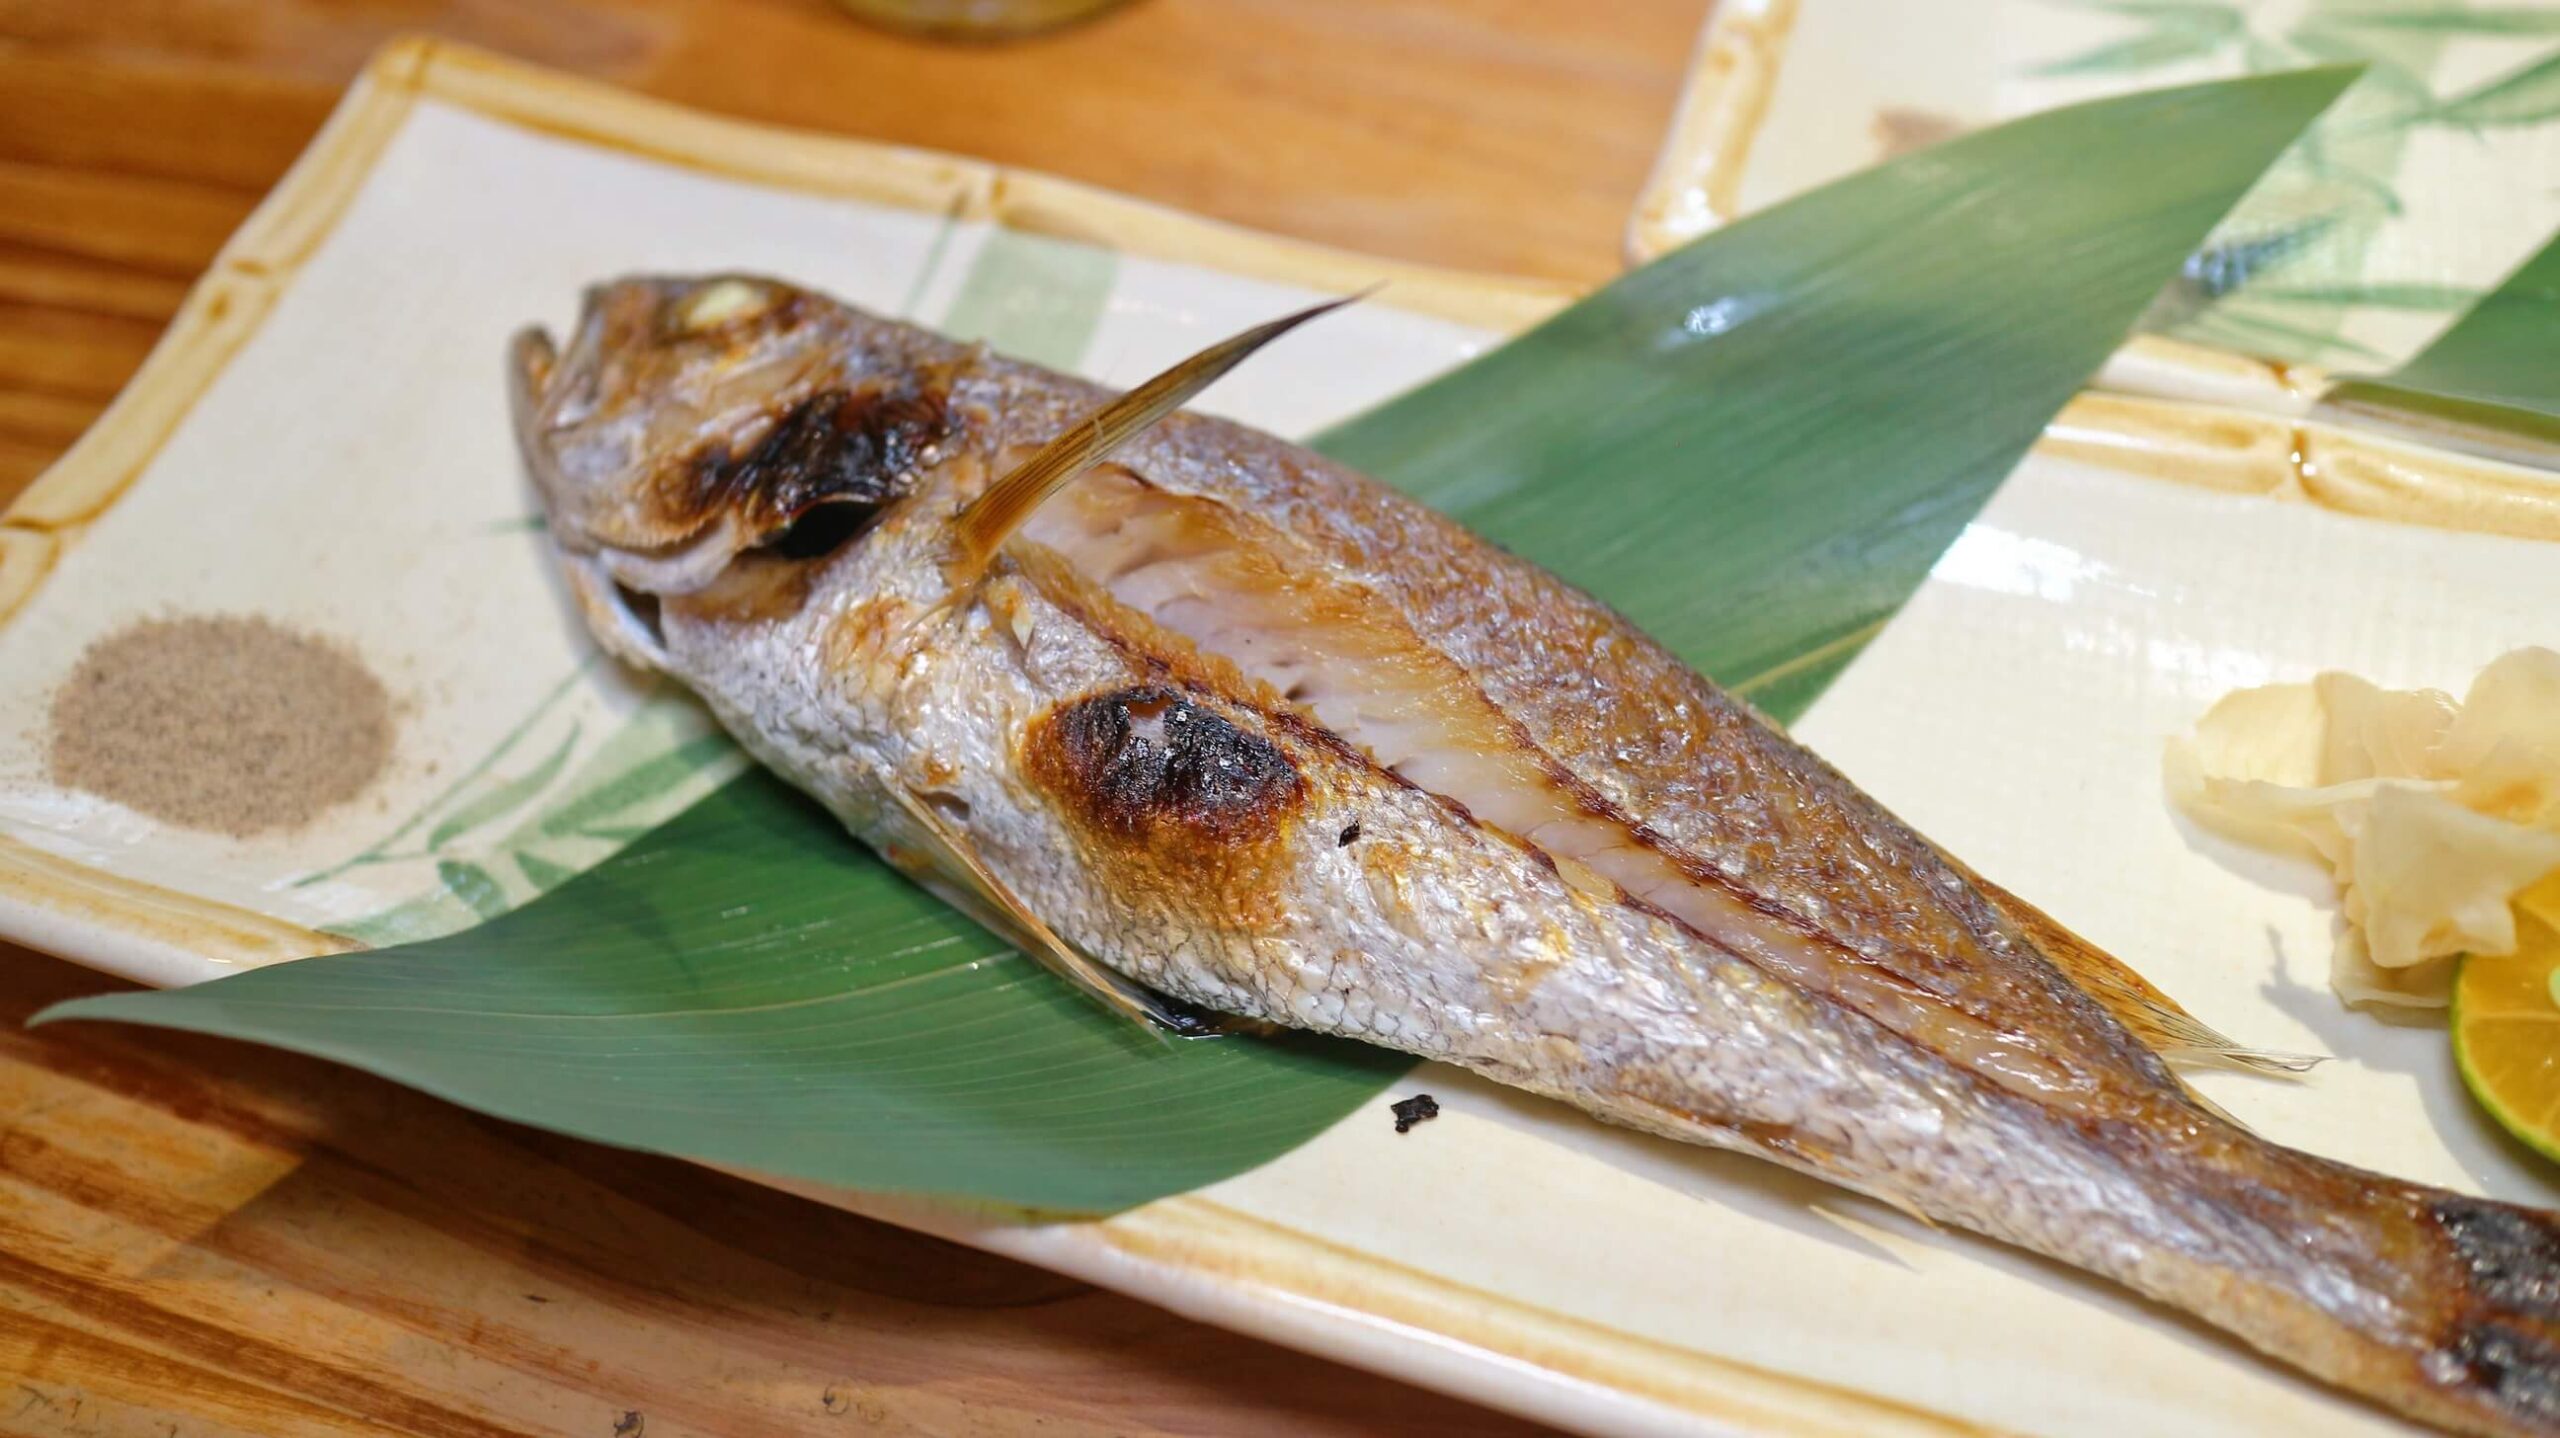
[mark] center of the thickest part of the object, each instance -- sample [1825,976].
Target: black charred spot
[2512,1253]
[1148,761]
[1349,832]
[1190,1021]
[852,451]
[1420,1108]
[2519,1370]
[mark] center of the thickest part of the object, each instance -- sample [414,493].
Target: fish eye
[721,304]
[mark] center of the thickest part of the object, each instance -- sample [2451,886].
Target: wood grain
[211,1239]
[221,1238]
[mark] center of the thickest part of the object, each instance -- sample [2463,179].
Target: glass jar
[976,19]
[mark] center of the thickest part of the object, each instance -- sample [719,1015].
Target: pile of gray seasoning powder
[236,725]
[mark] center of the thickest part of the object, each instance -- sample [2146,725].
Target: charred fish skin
[1252,730]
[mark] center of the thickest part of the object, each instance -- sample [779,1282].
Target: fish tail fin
[2497,1337]
[2442,1305]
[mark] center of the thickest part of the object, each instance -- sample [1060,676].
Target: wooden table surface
[201,1238]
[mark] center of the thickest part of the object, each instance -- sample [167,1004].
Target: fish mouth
[536,374]
[532,359]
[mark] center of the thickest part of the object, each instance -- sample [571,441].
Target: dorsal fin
[983,527]
[2154,1017]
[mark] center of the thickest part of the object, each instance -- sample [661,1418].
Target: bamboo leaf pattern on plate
[387,850]
[2346,175]
[648,780]
[506,797]
[2454,19]
[663,758]
[2176,32]
[543,874]
[473,886]
[2222,269]
[1041,297]
[2529,95]
[2385,294]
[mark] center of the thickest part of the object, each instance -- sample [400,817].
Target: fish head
[690,422]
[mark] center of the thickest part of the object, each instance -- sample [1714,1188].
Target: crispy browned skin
[1242,725]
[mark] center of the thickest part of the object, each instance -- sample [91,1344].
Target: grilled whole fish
[1219,720]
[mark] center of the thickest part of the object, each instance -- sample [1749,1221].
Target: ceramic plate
[325,421]
[2414,193]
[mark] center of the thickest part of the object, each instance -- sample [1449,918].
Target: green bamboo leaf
[2492,379]
[637,785]
[2528,95]
[504,798]
[1757,445]
[474,886]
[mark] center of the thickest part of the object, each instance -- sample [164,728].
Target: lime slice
[2506,1034]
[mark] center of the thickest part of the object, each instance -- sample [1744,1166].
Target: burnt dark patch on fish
[1190,1021]
[1150,763]
[1174,800]
[2513,1255]
[2519,1370]
[860,449]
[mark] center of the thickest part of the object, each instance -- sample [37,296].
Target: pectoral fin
[999,910]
